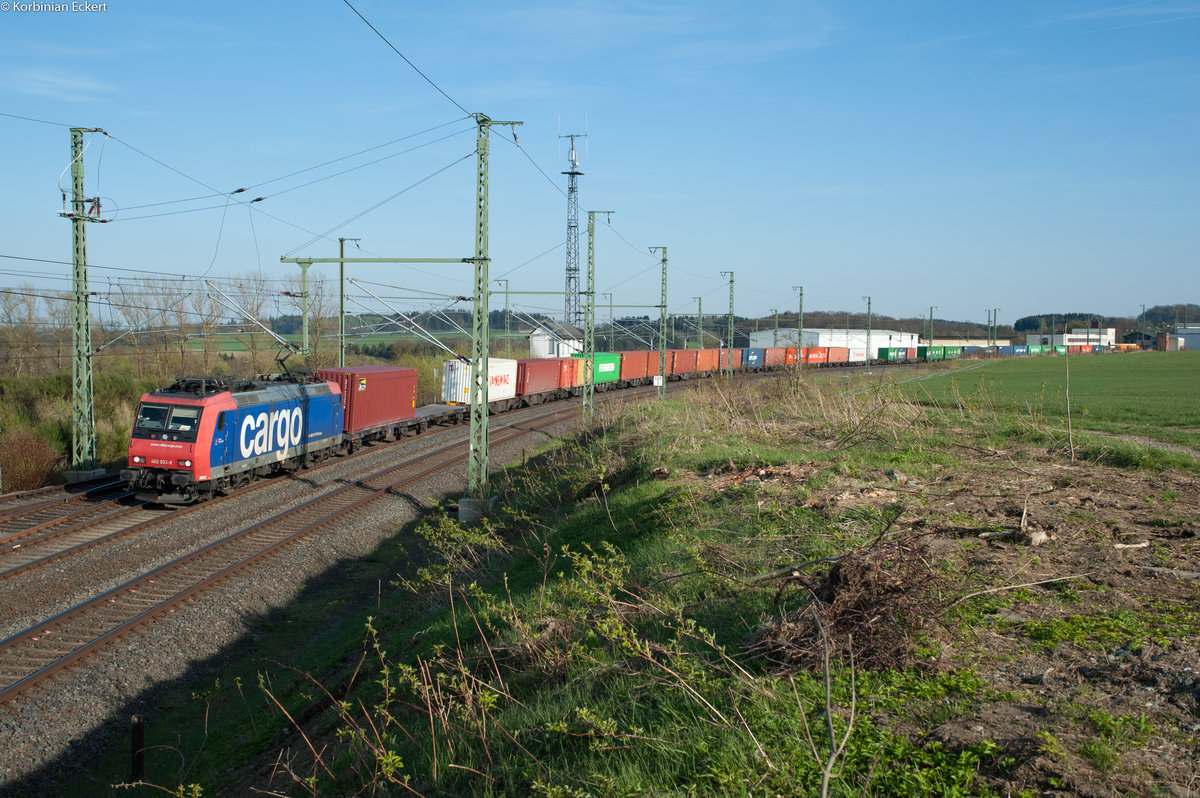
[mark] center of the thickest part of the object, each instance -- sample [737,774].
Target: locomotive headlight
[186,463]
[137,458]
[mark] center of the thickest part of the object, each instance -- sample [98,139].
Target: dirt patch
[869,605]
[1086,643]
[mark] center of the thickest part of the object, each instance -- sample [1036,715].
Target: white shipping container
[456,380]
[857,356]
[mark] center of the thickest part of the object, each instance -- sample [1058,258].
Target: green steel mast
[799,319]
[662,328]
[729,330]
[868,333]
[83,416]
[341,299]
[589,322]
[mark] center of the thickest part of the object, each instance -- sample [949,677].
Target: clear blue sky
[1031,156]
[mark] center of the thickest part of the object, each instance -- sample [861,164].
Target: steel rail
[135,603]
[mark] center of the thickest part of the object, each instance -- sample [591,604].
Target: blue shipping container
[753,358]
[1004,351]
[1020,350]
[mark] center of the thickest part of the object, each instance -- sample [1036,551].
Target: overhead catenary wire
[339,159]
[559,245]
[380,204]
[414,327]
[402,55]
[529,157]
[41,121]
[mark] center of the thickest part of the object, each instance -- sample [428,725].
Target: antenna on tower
[572,311]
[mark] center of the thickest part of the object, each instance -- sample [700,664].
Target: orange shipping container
[775,356]
[682,361]
[707,359]
[816,354]
[635,365]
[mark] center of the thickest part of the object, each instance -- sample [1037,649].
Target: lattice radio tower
[572,311]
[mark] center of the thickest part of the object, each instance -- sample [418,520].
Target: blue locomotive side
[275,424]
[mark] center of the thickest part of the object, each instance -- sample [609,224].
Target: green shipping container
[888,353]
[937,353]
[606,367]
[1035,350]
[952,352]
[1060,350]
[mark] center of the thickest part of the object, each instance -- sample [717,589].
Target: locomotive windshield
[167,422]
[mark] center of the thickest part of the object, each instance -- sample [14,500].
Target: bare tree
[60,324]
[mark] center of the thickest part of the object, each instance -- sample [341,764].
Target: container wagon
[502,383]
[378,402]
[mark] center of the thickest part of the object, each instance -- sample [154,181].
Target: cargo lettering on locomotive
[267,432]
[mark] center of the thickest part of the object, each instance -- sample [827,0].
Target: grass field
[1153,394]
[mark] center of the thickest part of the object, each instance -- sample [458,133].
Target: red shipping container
[1086,349]
[707,359]
[635,365]
[373,396]
[1075,349]
[731,358]
[816,354]
[912,353]
[775,356]
[790,356]
[839,354]
[537,375]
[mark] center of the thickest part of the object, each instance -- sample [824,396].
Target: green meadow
[1146,394]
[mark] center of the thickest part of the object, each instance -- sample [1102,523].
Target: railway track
[57,490]
[36,654]
[59,507]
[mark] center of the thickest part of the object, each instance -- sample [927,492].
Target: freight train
[203,435]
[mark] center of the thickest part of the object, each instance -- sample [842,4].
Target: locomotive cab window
[167,422]
[151,417]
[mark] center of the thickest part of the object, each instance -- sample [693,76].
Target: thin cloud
[58,85]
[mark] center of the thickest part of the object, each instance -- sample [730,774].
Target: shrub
[26,460]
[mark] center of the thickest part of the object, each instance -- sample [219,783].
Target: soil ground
[1096,655]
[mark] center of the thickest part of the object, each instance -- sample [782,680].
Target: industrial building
[1189,337]
[1080,336]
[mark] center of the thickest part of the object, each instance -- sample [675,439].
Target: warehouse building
[1080,336]
[1189,337]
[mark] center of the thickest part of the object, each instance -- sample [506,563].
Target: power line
[302,171]
[559,245]
[402,55]
[364,152]
[379,204]
[640,250]
[529,157]
[31,119]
